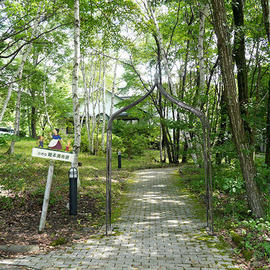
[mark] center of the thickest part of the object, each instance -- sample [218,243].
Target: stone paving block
[158,231]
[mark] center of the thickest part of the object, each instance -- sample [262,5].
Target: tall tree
[75,81]
[240,137]
[266,17]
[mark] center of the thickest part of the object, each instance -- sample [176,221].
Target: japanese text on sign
[56,155]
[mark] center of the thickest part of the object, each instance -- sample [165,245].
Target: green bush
[3,141]
[135,137]
[117,144]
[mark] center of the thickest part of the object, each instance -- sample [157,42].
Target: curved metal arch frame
[109,156]
[206,150]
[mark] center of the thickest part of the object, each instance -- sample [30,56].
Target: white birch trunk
[202,72]
[103,106]
[18,75]
[45,102]
[46,197]
[114,85]
[94,103]
[25,55]
[91,100]
[86,101]
[76,63]
[18,102]
[95,99]
[190,146]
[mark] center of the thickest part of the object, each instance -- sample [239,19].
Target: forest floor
[22,186]
[19,226]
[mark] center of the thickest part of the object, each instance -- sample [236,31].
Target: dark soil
[19,224]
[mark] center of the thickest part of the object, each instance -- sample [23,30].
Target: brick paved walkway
[157,230]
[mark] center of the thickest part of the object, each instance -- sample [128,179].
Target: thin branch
[14,54]
[174,27]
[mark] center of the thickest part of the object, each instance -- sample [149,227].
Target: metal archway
[109,156]
[206,150]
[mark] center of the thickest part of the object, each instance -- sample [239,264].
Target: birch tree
[202,12]
[20,73]
[75,81]
[103,106]
[114,84]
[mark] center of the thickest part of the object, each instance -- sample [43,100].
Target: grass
[21,174]
[233,222]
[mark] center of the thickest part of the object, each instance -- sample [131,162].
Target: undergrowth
[233,219]
[23,177]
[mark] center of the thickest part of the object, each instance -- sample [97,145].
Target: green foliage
[3,141]
[232,216]
[117,144]
[59,241]
[134,137]
[266,246]
[263,176]
[6,202]
[255,234]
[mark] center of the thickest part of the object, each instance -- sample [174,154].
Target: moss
[116,233]
[59,241]
[198,208]
[97,236]
[117,209]
[247,254]
[237,239]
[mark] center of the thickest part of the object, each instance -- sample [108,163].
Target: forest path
[158,229]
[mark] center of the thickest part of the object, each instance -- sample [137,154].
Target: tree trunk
[86,101]
[20,73]
[242,144]
[185,149]
[240,60]
[45,100]
[33,122]
[103,107]
[223,123]
[114,85]
[160,144]
[203,11]
[17,121]
[239,52]
[75,80]
[267,153]
[95,100]
[266,17]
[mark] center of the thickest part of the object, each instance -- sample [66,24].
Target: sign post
[46,197]
[52,155]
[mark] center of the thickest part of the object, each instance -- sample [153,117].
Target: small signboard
[54,155]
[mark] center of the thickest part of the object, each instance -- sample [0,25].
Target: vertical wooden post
[46,197]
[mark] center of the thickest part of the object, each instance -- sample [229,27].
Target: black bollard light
[73,176]
[119,160]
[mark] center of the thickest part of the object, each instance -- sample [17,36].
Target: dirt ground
[19,225]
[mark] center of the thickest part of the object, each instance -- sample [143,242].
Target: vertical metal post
[73,176]
[119,160]
[109,158]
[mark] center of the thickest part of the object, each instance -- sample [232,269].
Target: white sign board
[51,154]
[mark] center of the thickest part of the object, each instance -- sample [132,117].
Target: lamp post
[119,160]
[73,176]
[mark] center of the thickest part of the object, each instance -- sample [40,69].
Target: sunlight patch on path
[158,229]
